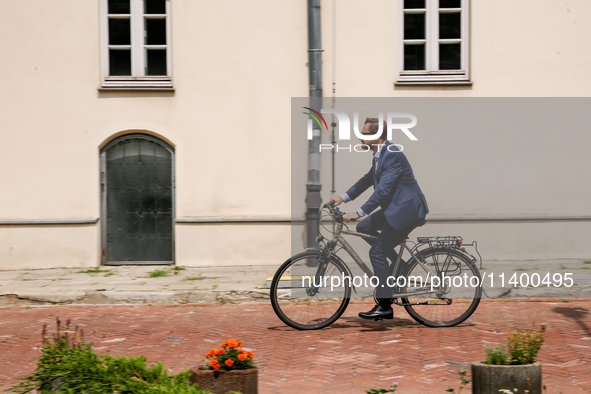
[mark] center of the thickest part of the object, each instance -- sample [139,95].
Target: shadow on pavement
[577,314]
[352,322]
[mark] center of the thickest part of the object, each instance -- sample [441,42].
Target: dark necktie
[375,171]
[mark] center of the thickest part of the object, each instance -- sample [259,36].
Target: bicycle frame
[338,238]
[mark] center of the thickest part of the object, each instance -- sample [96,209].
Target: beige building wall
[526,48]
[235,67]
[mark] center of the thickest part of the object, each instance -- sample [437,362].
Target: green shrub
[524,345]
[496,356]
[68,365]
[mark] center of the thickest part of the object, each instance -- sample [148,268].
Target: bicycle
[302,298]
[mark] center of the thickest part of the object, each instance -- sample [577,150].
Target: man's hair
[374,124]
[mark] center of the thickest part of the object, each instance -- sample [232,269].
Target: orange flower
[232,343]
[213,363]
[242,351]
[229,362]
[216,367]
[224,344]
[242,357]
[239,343]
[220,352]
[212,352]
[250,354]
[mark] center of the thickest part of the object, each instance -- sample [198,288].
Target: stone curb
[134,297]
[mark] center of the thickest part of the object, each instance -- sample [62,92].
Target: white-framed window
[136,50]
[434,45]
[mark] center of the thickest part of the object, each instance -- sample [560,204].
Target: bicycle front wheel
[444,289]
[309,294]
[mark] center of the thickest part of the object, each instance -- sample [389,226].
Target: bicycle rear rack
[451,242]
[444,241]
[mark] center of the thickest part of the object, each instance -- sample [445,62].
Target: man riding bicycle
[403,208]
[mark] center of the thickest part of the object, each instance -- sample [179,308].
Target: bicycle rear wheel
[301,296]
[445,290]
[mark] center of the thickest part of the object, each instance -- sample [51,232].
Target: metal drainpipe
[313,185]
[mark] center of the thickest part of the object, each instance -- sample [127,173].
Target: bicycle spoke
[450,290]
[307,301]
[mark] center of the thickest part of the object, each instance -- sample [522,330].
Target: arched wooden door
[137,198]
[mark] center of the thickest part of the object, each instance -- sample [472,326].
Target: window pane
[119,7]
[409,4]
[156,61]
[155,31]
[119,61]
[119,32]
[449,57]
[414,26]
[414,57]
[450,3]
[155,6]
[450,25]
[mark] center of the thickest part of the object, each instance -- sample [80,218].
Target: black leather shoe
[378,312]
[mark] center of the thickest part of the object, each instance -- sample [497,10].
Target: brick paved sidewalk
[351,356]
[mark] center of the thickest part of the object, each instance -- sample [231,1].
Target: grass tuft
[96,270]
[157,273]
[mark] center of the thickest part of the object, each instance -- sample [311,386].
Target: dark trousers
[382,248]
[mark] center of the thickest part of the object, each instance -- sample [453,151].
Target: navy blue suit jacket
[396,189]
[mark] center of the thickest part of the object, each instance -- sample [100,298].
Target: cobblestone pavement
[351,356]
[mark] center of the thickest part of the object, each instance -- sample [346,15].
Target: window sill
[433,78]
[153,88]
[434,82]
[130,83]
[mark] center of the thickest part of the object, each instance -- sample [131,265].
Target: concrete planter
[244,381]
[489,379]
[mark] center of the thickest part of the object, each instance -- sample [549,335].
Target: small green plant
[109,274]
[464,382]
[587,262]
[392,389]
[96,270]
[563,267]
[157,273]
[524,345]
[496,356]
[177,269]
[214,287]
[195,278]
[68,365]
[224,301]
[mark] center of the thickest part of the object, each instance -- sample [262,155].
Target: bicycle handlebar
[335,212]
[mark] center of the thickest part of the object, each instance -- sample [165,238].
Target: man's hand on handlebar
[351,216]
[337,200]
